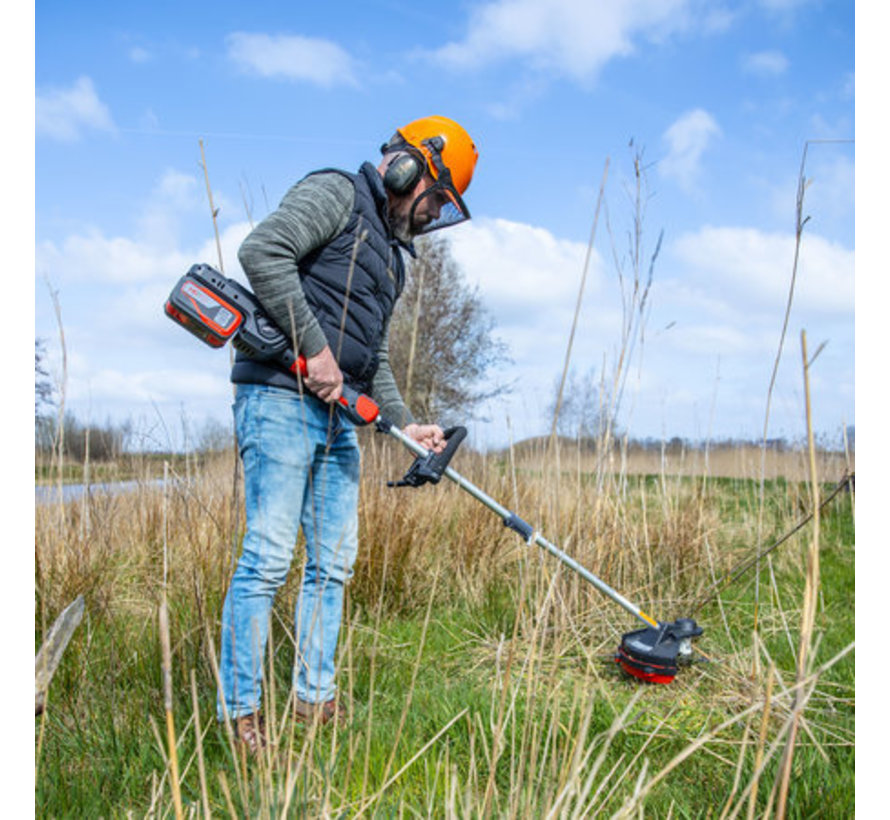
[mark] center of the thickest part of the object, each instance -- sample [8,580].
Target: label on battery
[191,289]
[221,315]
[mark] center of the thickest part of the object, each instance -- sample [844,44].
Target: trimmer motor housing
[652,654]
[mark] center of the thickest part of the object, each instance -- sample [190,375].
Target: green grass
[527,708]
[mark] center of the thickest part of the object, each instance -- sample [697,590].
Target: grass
[477,670]
[127,467]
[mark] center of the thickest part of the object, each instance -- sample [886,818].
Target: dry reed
[662,541]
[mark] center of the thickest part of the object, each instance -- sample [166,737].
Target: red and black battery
[216,309]
[203,311]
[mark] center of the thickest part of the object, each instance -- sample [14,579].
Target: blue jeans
[301,468]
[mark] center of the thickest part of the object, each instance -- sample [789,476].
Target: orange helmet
[458,152]
[443,148]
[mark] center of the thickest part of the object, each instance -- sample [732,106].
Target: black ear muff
[403,173]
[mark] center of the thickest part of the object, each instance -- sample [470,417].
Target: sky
[722,104]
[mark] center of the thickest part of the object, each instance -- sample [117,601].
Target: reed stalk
[811,588]
[172,756]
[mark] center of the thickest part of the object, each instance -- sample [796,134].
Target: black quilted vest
[351,284]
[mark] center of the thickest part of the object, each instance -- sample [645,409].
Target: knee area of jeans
[340,573]
[337,560]
[265,572]
[333,572]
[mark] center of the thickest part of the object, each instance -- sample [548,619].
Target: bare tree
[43,387]
[444,355]
[100,442]
[582,413]
[44,400]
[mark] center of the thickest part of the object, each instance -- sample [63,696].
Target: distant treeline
[110,440]
[105,442]
[677,444]
[77,440]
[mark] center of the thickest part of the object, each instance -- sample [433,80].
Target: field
[477,671]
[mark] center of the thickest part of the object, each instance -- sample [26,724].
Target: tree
[43,387]
[442,351]
[96,442]
[214,436]
[582,413]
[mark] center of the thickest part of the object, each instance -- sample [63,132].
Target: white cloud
[175,196]
[292,57]
[720,339]
[753,268]
[574,38]
[140,55]
[719,313]
[830,195]
[123,353]
[687,139]
[765,64]
[64,113]
[230,240]
[92,257]
[522,269]
[161,386]
[829,200]
[529,280]
[154,252]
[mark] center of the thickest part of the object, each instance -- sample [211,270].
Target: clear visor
[439,206]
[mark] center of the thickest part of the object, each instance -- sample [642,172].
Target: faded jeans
[301,468]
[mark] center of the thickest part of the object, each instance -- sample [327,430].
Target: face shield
[440,205]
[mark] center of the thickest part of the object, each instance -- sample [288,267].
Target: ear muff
[403,173]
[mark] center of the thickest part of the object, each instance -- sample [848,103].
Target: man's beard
[402,227]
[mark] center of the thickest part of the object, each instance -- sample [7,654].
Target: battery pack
[204,309]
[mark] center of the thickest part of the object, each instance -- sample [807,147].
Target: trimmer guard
[652,654]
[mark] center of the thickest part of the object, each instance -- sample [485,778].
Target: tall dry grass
[551,730]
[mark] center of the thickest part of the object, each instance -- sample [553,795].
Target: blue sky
[720,97]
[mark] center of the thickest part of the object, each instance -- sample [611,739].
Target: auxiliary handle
[431,467]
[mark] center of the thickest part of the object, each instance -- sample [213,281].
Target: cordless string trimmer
[217,310]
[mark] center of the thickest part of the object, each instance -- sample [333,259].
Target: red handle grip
[359,408]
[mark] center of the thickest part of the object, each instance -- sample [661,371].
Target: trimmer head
[652,654]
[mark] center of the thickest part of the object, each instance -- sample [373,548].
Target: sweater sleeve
[384,389]
[313,212]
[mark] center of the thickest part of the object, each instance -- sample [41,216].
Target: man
[327,266]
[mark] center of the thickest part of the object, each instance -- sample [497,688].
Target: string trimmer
[218,310]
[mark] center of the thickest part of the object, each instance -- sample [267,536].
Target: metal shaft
[531,535]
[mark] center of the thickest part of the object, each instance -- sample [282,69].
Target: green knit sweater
[311,214]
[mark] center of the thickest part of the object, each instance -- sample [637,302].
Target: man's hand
[427,435]
[323,376]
